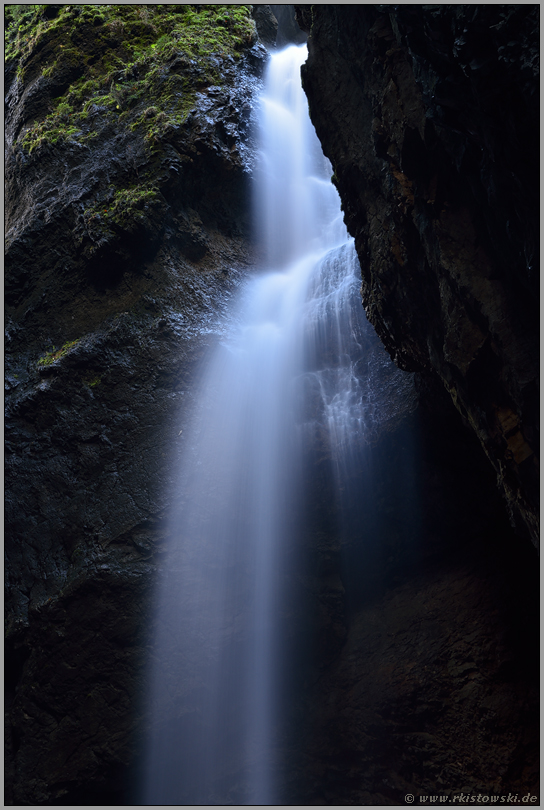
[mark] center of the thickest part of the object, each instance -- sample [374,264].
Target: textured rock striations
[429,115]
[126,236]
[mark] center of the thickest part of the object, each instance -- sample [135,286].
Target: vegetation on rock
[91,381]
[56,354]
[128,76]
[128,155]
[109,61]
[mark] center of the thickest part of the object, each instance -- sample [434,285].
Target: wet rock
[107,321]
[267,24]
[434,688]
[289,31]
[429,118]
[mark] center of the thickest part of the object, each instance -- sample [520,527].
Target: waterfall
[288,371]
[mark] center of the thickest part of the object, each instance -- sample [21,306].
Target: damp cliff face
[127,217]
[429,684]
[429,117]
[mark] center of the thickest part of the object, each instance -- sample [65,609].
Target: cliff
[429,116]
[128,158]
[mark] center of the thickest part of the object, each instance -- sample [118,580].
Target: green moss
[122,56]
[91,381]
[126,206]
[56,354]
[21,26]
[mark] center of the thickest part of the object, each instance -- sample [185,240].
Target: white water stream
[290,366]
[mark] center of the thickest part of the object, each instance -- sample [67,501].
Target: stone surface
[431,694]
[425,679]
[92,435]
[429,117]
[266,23]
[289,32]
[431,685]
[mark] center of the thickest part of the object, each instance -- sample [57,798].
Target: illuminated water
[290,368]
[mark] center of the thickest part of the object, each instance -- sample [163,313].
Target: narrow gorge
[322,435]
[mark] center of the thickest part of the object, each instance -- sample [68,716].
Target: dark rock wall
[425,678]
[434,692]
[429,115]
[107,321]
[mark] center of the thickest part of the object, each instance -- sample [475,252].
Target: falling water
[291,368]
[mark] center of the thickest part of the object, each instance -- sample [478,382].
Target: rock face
[429,117]
[426,679]
[427,700]
[127,235]
[427,114]
[124,245]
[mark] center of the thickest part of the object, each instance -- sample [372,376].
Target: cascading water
[288,370]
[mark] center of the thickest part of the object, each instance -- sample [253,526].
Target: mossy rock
[89,75]
[117,57]
[57,354]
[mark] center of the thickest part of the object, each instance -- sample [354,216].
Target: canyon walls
[128,215]
[129,154]
[429,115]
